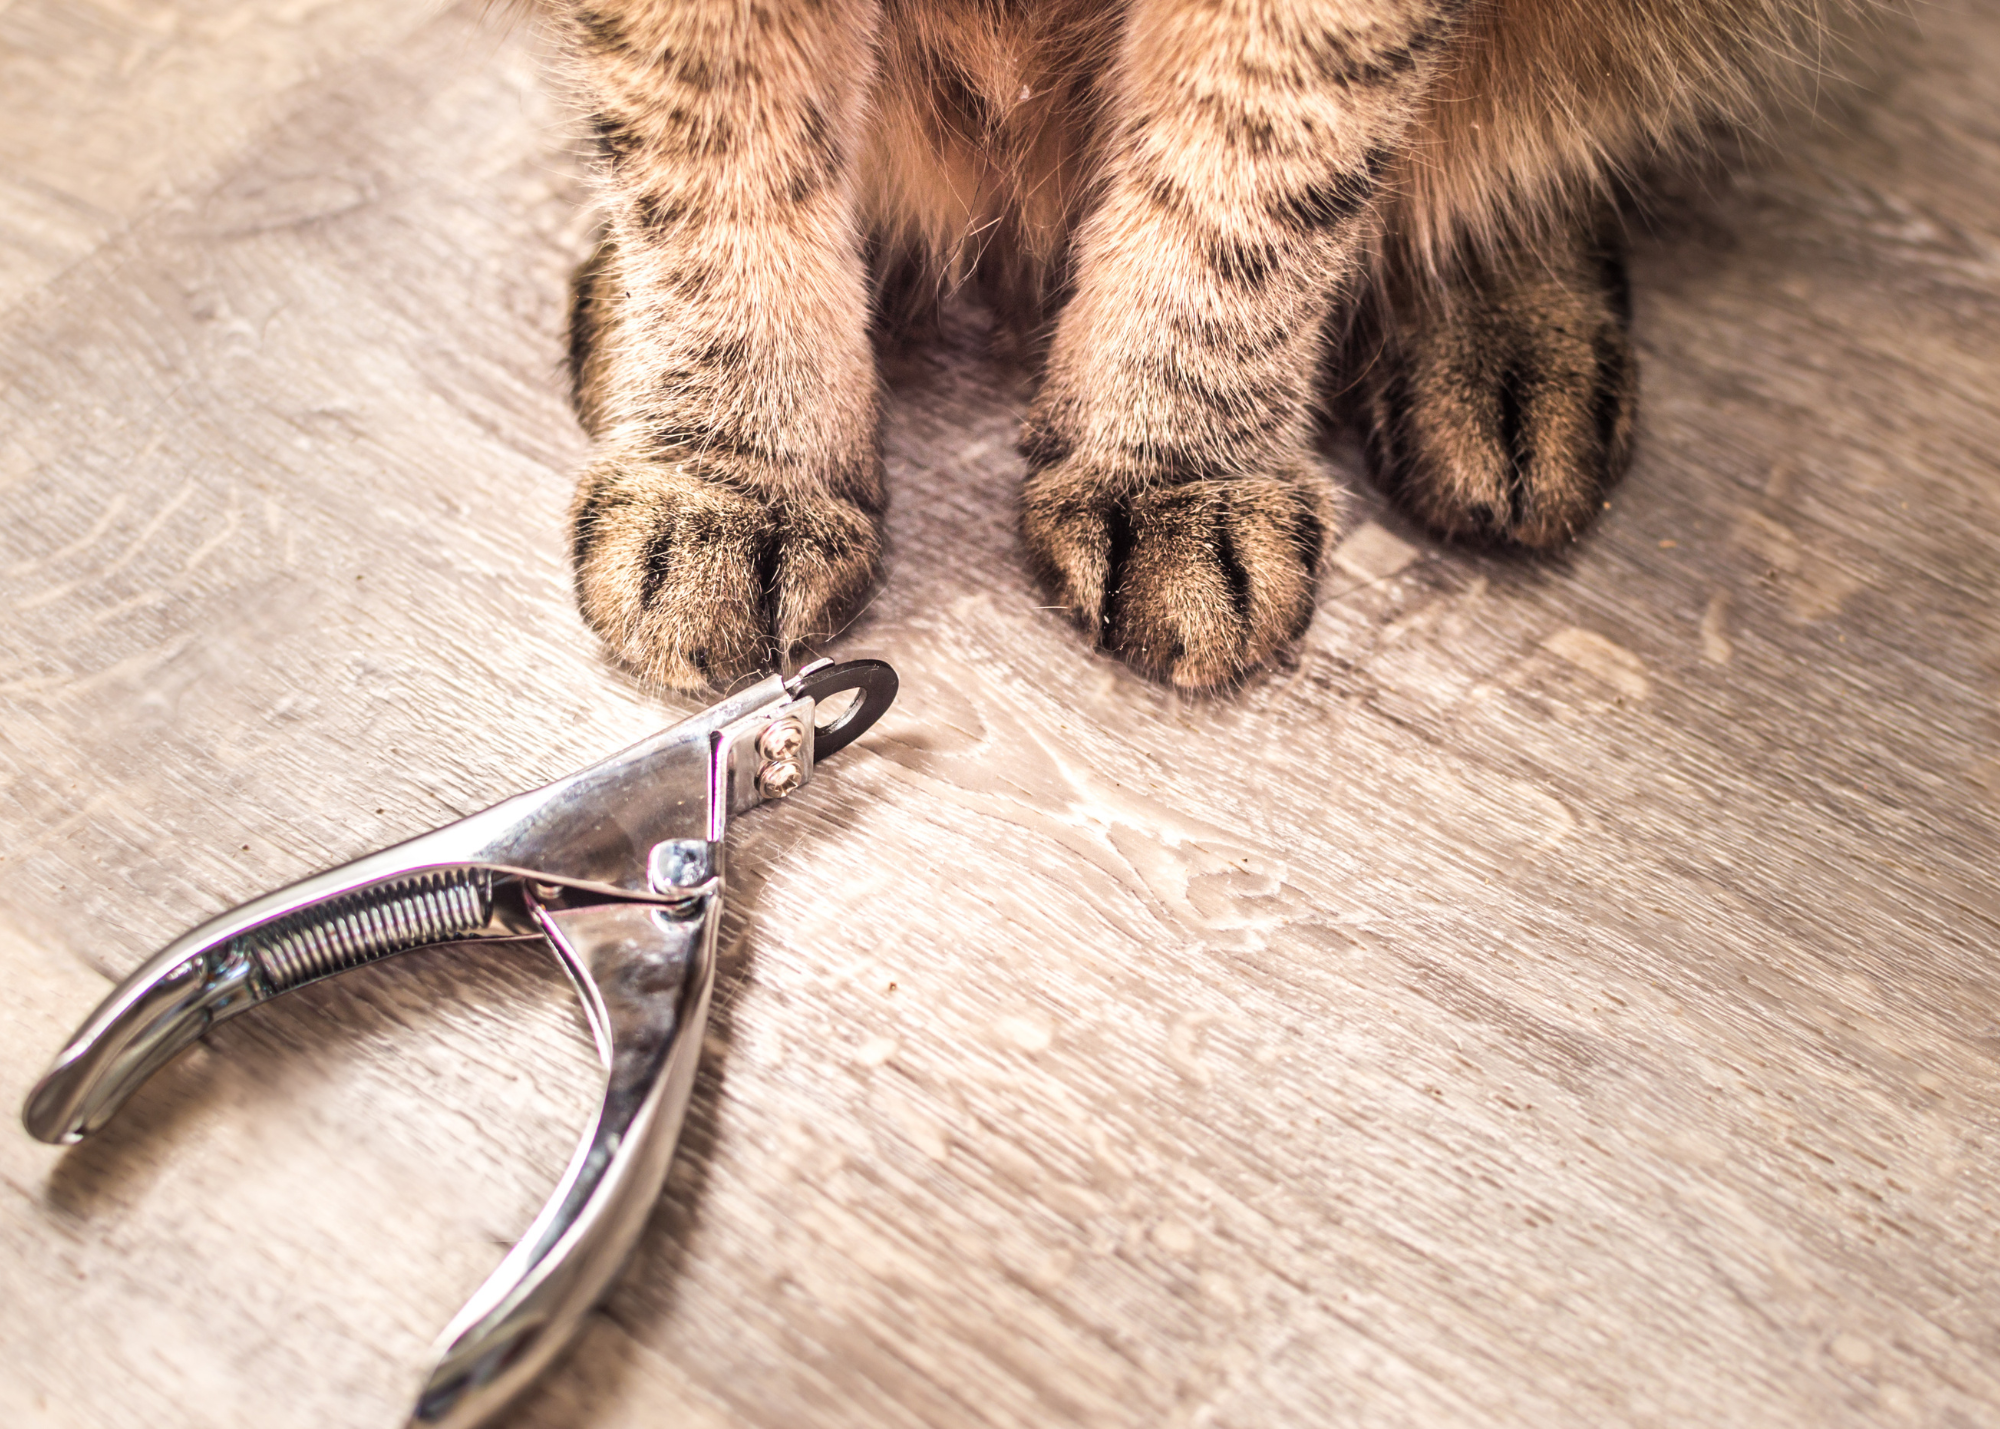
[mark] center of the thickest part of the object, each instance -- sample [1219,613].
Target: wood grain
[1567,997]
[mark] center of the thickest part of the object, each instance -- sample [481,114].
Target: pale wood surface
[1566,998]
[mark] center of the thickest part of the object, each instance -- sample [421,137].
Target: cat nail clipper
[620,868]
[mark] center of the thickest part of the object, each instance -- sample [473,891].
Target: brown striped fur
[1185,204]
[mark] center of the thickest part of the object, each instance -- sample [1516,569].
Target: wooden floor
[1567,998]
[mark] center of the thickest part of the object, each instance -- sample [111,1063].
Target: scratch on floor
[1715,645]
[82,543]
[1815,587]
[1607,660]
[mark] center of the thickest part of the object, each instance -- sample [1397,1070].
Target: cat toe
[694,582]
[1195,584]
[826,558]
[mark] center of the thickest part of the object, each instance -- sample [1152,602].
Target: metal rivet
[779,778]
[782,739]
[680,863]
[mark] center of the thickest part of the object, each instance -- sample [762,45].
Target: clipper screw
[779,778]
[782,739]
[781,744]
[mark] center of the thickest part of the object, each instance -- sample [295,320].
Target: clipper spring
[369,924]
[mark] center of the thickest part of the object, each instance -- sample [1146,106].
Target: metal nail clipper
[620,868]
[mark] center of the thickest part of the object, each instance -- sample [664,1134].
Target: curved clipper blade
[646,972]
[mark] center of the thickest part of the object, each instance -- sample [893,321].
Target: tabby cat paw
[1502,409]
[1196,583]
[695,581]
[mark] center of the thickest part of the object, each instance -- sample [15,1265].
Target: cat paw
[1502,409]
[695,581]
[1195,583]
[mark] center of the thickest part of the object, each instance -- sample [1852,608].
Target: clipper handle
[646,972]
[143,1025]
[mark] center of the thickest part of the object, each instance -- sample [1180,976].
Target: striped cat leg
[1171,503]
[733,503]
